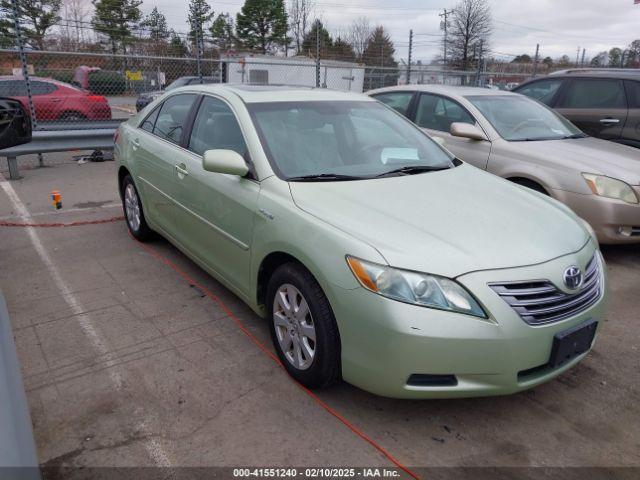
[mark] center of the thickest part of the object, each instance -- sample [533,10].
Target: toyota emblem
[572,277]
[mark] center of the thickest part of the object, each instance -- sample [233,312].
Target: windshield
[179,82]
[356,139]
[518,118]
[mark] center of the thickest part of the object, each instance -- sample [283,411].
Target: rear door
[435,114]
[597,106]
[156,149]
[631,131]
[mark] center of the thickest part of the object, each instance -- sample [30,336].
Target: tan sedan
[526,142]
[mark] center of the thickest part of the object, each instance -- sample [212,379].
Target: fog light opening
[429,380]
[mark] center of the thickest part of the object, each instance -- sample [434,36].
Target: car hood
[587,155]
[448,222]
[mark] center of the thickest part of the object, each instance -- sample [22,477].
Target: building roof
[277,93]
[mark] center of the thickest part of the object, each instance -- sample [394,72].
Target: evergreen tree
[379,54]
[35,16]
[308,47]
[116,19]
[222,31]
[199,10]
[343,50]
[177,47]
[156,25]
[262,25]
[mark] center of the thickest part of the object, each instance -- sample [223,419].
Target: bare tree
[300,20]
[470,29]
[76,14]
[358,36]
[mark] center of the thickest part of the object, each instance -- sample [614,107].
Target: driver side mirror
[224,161]
[466,130]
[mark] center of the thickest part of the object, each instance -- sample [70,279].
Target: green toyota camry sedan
[373,253]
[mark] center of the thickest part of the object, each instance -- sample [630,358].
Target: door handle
[56,100]
[182,169]
[135,143]
[609,121]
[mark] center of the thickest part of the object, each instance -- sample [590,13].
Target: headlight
[415,288]
[610,188]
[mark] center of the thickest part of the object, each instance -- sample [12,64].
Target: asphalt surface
[126,363]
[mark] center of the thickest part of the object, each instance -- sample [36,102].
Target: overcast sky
[559,26]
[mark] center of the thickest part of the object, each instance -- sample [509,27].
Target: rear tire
[133,212]
[303,328]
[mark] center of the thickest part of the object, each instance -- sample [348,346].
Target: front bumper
[607,216]
[384,342]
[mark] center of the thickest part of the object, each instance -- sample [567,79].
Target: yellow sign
[133,76]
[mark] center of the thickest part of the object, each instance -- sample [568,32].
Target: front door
[436,113]
[216,211]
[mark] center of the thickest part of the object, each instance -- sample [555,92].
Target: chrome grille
[540,301]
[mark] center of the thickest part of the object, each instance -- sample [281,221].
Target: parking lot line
[98,343]
[154,253]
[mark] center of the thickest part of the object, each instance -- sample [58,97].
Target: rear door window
[544,91]
[600,93]
[399,101]
[149,122]
[42,88]
[172,117]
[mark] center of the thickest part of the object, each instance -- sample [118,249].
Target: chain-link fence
[89,89]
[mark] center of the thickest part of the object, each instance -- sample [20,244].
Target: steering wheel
[524,123]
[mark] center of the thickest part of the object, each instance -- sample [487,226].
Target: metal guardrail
[17,447]
[59,141]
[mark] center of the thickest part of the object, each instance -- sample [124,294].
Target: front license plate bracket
[572,342]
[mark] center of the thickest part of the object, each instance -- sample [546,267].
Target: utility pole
[409,57]
[445,26]
[479,73]
[577,57]
[535,60]
[584,51]
[317,53]
[199,42]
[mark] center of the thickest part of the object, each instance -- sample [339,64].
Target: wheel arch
[122,172]
[531,183]
[267,266]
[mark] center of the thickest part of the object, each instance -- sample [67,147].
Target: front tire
[133,211]
[303,328]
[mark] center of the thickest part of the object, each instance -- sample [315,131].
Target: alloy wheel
[294,326]
[132,207]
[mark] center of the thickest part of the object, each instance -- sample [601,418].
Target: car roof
[277,93]
[450,90]
[615,73]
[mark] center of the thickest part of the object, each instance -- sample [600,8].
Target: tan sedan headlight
[610,188]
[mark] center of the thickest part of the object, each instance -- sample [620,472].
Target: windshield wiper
[575,135]
[412,169]
[323,177]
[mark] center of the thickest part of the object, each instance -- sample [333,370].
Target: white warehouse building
[298,70]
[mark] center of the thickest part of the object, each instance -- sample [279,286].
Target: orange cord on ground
[273,357]
[153,252]
[70,224]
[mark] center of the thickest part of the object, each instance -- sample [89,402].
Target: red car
[56,101]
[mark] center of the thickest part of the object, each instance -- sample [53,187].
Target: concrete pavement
[126,364]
